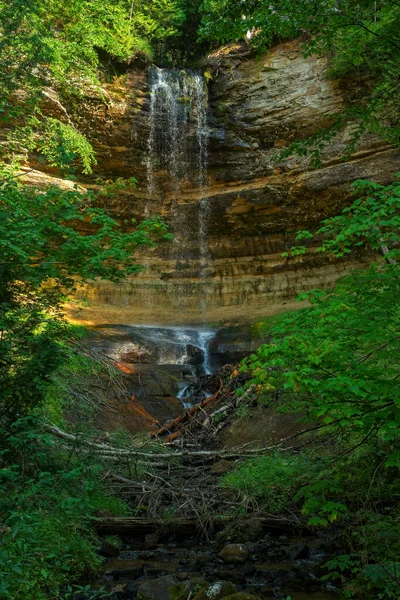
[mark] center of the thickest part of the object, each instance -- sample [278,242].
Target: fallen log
[184,417]
[191,525]
[79,444]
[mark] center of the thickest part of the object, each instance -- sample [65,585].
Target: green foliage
[183,48]
[360,38]
[62,144]
[242,412]
[372,221]
[272,480]
[48,240]
[61,39]
[42,551]
[261,327]
[336,365]
[337,361]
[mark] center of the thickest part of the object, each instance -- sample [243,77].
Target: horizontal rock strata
[255,203]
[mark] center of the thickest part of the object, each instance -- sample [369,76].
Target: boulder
[195,355]
[198,582]
[241,531]
[126,590]
[234,554]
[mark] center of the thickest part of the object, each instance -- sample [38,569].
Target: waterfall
[178,139]
[178,151]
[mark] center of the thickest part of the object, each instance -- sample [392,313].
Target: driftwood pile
[175,473]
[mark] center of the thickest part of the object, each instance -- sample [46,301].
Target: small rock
[151,541]
[234,553]
[127,573]
[216,591]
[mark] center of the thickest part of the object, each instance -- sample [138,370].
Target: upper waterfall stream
[178,149]
[178,138]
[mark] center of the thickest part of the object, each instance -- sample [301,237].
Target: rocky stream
[175,564]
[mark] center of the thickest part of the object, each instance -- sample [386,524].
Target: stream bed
[166,567]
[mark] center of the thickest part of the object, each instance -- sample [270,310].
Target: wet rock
[236,575]
[256,549]
[108,549]
[198,561]
[155,380]
[195,355]
[138,355]
[216,591]
[242,530]
[231,344]
[151,541]
[298,551]
[273,577]
[126,591]
[128,573]
[234,553]
[154,572]
[164,588]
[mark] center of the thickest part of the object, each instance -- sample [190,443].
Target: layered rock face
[250,204]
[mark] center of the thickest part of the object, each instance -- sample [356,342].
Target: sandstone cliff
[254,204]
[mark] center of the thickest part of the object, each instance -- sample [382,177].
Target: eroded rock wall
[258,105]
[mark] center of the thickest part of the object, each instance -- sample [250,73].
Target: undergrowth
[48,499]
[50,495]
[358,493]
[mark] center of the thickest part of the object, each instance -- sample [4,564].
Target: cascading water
[178,148]
[178,139]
